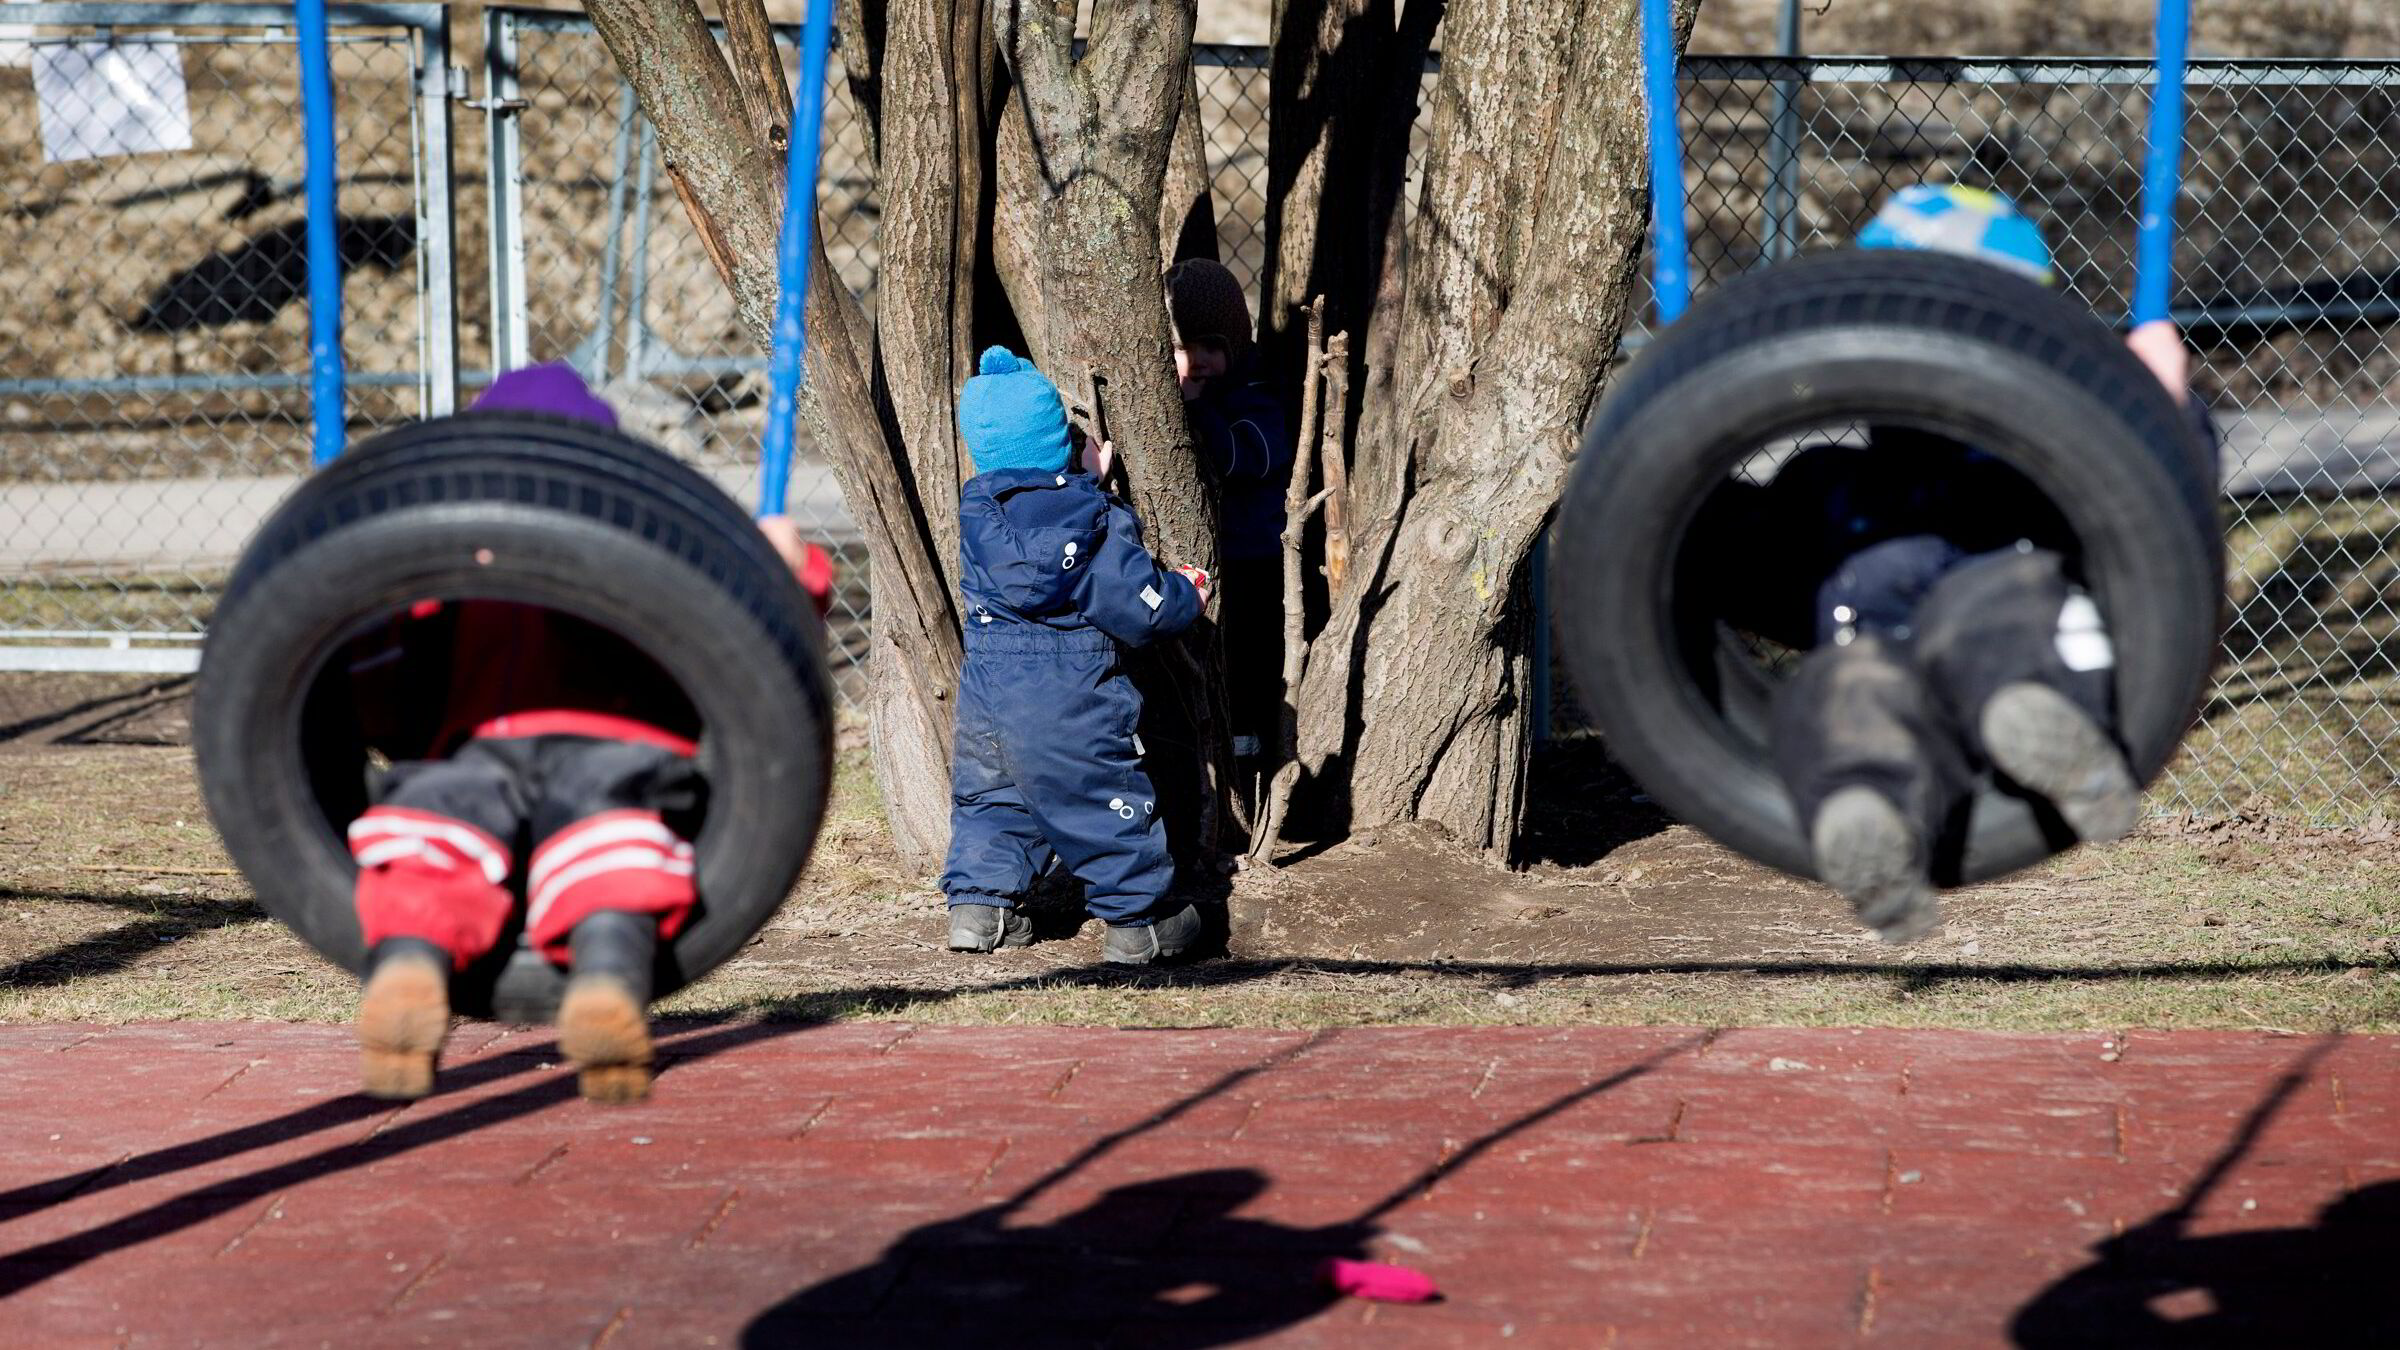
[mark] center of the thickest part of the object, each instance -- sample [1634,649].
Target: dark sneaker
[2038,737]
[403,1014]
[603,1021]
[983,928]
[1870,853]
[1139,944]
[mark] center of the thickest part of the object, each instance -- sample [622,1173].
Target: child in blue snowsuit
[1046,768]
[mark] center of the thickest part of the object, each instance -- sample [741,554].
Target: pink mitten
[1378,1282]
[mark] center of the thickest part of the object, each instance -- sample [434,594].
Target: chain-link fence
[2288,285]
[572,245]
[153,350]
[615,279]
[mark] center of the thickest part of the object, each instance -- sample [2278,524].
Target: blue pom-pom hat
[1011,416]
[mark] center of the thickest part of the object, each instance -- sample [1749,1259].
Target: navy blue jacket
[1240,426]
[1869,528]
[1051,554]
[1046,766]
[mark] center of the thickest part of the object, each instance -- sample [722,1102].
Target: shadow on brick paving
[2158,1285]
[1125,1260]
[23,1269]
[28,1267]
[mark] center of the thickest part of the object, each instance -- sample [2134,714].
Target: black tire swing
[1931,342]
[542,511]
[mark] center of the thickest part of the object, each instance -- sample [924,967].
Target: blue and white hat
[1968,221]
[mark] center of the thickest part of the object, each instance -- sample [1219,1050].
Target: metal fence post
[637,299]
[504,178]
[437,232]
[1783,145]
[591,356]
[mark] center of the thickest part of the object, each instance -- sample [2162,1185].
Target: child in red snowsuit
[562,756]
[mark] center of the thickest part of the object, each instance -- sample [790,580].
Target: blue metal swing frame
[784,364]
[2162,170]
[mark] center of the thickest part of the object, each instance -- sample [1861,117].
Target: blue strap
[791,261]
[324,257]
[2162,173]
[1671,272]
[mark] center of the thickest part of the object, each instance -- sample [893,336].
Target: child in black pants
[559,755]
[1945,630]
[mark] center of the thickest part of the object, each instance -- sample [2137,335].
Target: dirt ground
[117,903]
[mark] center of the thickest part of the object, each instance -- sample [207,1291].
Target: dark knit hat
[1207,301]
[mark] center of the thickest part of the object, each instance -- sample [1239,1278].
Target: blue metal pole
[1671,269]
[791,261]
[2162,173]
[324,257]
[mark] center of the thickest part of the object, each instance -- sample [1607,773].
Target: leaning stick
[1335,460]
[1296,508]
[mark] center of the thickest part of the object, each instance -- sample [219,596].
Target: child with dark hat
[1047,767]
[1239,427]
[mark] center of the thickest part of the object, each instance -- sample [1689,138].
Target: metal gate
[153,342]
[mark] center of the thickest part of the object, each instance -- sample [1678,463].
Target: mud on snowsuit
[1047,767]
[559,753]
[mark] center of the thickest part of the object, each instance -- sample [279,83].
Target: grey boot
[1870,853]
[2040,738]
[1142,943]
[983,928]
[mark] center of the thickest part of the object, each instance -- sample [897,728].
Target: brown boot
[603,1027]
[403,1014]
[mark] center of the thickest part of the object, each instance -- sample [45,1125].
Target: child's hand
[1199,580]
[811,565]
[1099,459]
[2160,347]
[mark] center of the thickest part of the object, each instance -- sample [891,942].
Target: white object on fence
[99,99]
[16,44]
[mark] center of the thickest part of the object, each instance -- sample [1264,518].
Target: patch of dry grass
[114,907]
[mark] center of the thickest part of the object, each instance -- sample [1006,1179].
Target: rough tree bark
[1519,264]
[1343,92]
[1097,136]
[1326,60]
[1477,332]
[729,175]
[1099,133]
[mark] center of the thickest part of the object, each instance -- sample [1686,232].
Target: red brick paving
[888,1185]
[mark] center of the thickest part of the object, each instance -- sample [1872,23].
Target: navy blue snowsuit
[1046,765]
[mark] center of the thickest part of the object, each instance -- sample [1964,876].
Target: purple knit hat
[553,388]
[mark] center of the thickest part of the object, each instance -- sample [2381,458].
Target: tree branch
[758,69]
[1039,47]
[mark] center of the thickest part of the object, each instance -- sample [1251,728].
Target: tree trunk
[730,177]
[1329,62]
[1519,268]
[925,300]
[1187,221]
[1097,137]
[1479,330]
